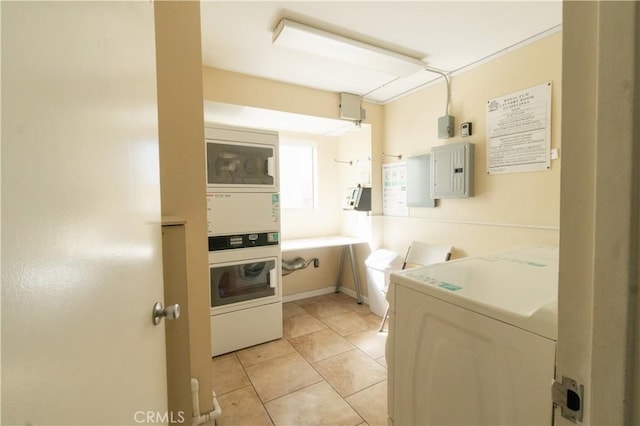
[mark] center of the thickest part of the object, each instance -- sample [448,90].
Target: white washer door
[452,366]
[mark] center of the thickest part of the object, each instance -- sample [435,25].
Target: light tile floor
[328,369]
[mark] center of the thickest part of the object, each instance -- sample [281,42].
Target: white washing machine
[472,341]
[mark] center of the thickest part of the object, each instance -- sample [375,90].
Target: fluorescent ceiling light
[322,43]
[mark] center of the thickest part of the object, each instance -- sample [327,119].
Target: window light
[322,43]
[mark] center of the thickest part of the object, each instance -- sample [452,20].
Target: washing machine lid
[518,287]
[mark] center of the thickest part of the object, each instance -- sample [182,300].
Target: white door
[81,238]
[598,298]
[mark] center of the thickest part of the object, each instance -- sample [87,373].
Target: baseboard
[353,294]
[320,292]
[307,294]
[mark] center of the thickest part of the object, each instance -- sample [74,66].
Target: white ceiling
[448,35]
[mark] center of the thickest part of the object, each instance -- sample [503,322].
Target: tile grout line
[312,364]
[344,398]
[324,379]
[244,370]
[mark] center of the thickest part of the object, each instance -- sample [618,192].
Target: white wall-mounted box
[419,181]
[452,170]
[351,107]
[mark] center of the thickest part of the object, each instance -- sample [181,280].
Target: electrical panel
[452,170]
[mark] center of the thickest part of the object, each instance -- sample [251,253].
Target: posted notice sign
[394,189]
[519,131]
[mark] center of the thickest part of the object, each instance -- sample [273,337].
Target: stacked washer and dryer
[473,341]
[243,219]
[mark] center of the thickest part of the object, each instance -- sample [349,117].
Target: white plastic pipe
[198,418]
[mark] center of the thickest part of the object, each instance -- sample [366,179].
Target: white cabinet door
[81,238]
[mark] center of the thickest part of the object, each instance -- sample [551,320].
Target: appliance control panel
[228,242]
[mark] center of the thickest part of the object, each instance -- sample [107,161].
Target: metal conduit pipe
[289,266]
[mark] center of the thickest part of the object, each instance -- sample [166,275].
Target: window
[297,174]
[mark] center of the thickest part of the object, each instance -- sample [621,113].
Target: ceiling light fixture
[333,46]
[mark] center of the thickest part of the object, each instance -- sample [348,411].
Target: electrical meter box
[452,170]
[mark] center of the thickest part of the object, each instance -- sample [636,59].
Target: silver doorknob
[170,312]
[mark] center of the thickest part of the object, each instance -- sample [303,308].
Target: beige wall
[311,279]
[507,210]
[357,146]
[239,89]
[181,132]
[325,219]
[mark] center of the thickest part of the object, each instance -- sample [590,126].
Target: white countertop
[319,242]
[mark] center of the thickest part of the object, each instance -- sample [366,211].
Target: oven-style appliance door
[241,165]
[244,283]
